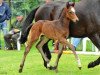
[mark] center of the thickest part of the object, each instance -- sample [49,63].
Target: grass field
[10,60]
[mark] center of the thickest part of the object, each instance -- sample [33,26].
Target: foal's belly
[54,33]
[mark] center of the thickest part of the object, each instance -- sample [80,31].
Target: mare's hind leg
[42,41]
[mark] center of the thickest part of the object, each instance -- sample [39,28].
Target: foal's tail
[94,63]
[27,25]
[34,34]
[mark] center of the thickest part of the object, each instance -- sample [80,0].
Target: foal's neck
[64,21]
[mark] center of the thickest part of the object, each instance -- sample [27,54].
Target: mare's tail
[27,25]
[94,63]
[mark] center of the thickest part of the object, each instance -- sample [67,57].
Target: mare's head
[70,12]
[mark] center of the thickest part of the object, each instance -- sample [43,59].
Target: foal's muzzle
[75,20]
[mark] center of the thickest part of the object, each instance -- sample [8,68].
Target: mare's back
[88,12]
[44,12]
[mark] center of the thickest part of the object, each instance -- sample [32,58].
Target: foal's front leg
[63,41]
[74,52]
[57,60]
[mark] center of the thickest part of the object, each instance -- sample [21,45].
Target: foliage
[23,6]
[75,0]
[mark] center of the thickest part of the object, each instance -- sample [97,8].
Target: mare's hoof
[80,68]
[20,70]
[56,70]
[50,68]
[90,65]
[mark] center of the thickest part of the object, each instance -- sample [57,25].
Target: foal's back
[52,29]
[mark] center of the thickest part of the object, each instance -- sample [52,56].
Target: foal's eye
[70,12]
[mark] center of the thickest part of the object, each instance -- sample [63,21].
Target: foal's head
[70,12]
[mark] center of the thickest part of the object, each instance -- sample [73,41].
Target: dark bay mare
[88,11]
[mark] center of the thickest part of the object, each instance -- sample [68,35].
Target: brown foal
[56,30]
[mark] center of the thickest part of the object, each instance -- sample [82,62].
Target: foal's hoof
[90,65]
[20,70]
[80,68]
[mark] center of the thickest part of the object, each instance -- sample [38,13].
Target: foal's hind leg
[42,41]
[30,42]
[27,49]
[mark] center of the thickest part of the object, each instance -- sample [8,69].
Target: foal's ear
[67,5]
[73,4]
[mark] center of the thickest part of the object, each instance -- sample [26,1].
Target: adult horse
[88,12]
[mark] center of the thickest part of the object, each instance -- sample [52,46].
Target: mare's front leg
[96,41]
[41,42]
[94,63]
[46,52]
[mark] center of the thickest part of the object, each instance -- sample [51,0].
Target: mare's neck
[64,20]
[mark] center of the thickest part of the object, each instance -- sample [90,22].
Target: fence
[84,44]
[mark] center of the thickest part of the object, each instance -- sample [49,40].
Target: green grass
[10,60]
